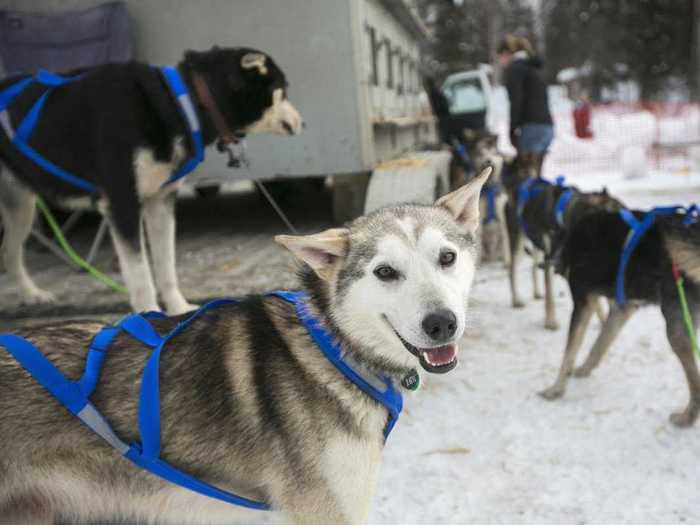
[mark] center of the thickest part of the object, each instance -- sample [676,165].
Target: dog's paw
[37,296]
[182,308]
[551,325]
[537,296]
[551,393]
[683,419]
[518,303]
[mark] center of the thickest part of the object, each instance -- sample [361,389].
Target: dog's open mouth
[438,360]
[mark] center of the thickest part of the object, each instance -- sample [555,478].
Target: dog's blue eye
[386,273]
[447,258]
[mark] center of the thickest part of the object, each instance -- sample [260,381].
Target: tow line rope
[71,253]
[687,318]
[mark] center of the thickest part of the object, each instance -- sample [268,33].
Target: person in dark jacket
[531,127]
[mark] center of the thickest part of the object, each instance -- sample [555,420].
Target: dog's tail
[683,245]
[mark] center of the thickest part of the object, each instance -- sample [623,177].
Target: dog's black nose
[440,326]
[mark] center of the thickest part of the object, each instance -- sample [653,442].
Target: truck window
[466,96]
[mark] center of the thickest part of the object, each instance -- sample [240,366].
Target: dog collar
[379,388]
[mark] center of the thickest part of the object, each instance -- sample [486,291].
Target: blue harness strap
[179,90]
[562,204]
[381,389]
[74,395]
[21,136]
[526,191]
[490,191]
[638,229]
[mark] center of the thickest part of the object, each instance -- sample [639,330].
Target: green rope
[687,318]
[72,255]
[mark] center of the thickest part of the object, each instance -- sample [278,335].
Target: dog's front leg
[536,261]
[135,270]
[501,202]
[159,216]
[515,241]
[315,507]
[580,317]
[17,206]
[341,492]
[550,319]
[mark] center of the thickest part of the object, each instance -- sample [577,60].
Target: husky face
[484,152]
[399,279]
[407,285]
[249,88]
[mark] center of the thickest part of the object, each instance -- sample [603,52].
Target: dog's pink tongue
[441,355]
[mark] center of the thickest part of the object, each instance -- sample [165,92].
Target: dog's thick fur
[249,403]
[546,236]
[119,128]
[590,259]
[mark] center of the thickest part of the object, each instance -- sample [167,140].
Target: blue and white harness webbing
[562,204]
[20,136]
[638,229]
[179,91]
[74,395]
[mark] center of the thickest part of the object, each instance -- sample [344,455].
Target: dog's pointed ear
[605,191]
[322,251]
[463,203]
[255,60]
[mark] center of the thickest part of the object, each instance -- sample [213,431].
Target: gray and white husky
[248,402]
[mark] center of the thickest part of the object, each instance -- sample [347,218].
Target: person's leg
[535,139]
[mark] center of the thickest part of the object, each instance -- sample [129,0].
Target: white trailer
[353,70]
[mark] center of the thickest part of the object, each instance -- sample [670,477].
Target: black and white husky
[590,259]
[119,128]
[248,401]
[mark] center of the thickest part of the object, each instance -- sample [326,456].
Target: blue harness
[20,137]
[532,188]
[74,395]
[490,191]
[563,203]
[637,230]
